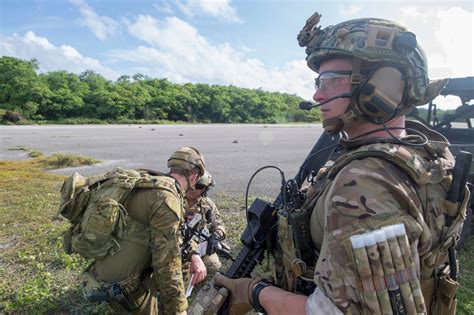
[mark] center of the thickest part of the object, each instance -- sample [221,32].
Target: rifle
[260,231]
[197,231]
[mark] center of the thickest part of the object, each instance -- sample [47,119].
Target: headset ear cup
[381,95]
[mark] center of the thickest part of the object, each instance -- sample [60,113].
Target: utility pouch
[74,197]
[300,222]
[94,237]
[445,300]
[428,290]
[295,239]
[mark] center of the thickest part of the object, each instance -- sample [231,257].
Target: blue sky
[243,43]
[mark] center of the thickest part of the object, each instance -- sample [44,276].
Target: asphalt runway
[232,152]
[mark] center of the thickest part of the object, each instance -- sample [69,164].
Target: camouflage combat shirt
[209,211]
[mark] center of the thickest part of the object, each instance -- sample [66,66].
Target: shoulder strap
[417,164]
[161,181]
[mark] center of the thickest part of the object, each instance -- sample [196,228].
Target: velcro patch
[175,205]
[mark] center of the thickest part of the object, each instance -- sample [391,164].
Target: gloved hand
[212,244]
[240,292]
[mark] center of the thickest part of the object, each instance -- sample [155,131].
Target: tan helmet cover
[187,158]
[370,40]
[205,180]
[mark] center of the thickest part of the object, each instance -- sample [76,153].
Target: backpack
[94,206]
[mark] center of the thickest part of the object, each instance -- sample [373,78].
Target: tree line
[60,95]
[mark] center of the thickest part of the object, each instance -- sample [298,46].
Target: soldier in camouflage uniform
[141,273]
[388,170]
[199,202]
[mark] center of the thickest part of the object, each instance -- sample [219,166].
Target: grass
[37,277]
[60,160]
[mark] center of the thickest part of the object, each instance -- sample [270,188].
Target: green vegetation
[89,98]
[59,160]
[37,277]
[466,278]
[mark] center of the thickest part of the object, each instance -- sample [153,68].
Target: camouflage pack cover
[94,206]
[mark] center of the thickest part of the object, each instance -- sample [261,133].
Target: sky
[249,43]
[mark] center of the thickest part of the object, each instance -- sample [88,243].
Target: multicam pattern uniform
[209,211]
[370,193]
[211,214]
[162,209]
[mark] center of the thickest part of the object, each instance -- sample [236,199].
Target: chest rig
[296,255]
[428,168]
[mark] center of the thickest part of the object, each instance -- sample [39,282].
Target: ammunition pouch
[440,293]
[293,243]
[445,301]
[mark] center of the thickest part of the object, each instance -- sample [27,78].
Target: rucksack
[94,206]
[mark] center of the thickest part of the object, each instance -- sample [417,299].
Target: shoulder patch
[175,205]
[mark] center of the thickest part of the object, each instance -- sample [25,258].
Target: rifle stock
[260,228]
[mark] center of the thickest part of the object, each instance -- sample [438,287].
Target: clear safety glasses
[329,79]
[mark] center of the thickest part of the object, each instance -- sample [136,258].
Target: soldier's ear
[194,178]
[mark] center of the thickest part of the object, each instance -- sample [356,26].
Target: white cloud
[349,10]
[163,6]
[447,35]
[221,9]
[101,26]
[178,52]
[50,57]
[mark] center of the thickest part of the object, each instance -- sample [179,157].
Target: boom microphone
[309,105]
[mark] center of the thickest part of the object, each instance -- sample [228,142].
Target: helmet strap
[356,76]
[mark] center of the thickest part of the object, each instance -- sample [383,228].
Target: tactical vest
[429,169]
[94,206]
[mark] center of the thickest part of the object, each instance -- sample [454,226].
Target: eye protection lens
[328,79]
[200,186]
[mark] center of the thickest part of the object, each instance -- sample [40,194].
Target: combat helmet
[205,182]
[390,53]
[187,158]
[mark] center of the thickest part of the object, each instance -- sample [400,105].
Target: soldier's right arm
[166,256]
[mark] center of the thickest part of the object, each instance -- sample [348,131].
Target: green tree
[20,88]
[66,96]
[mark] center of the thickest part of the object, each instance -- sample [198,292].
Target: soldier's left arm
[214,217]
[366,195]
[166,254]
